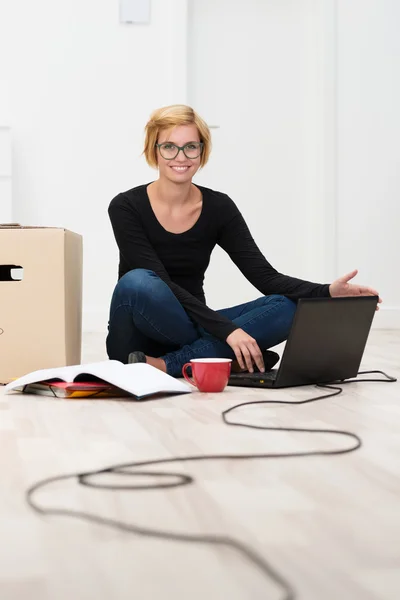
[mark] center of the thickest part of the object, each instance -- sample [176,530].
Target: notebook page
[139,379]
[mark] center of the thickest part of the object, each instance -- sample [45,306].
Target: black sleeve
[236,239]
[138,253]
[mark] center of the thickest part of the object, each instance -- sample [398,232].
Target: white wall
[306,94]
[77,87]
[262,78]
[368,146]
[5,175]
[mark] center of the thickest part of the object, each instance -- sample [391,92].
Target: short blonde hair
[173,116]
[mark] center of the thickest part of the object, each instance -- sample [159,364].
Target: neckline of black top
[151,211]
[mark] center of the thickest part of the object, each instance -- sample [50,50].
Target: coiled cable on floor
[175,479]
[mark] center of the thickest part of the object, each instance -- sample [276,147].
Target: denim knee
[286,313]
[137,281]
[288,305]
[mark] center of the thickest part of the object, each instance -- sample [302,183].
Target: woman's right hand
[246,350]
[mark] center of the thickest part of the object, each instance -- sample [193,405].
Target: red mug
[209,374]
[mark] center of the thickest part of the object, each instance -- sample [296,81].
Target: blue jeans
[145,315]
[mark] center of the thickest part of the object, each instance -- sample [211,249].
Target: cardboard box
[40,299]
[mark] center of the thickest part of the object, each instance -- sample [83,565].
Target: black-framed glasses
[170,151]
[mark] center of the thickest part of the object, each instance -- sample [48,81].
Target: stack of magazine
[75,389]
[106,379]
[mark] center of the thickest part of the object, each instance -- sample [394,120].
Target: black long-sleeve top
[181,260]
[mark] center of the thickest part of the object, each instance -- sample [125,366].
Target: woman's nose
[181,156]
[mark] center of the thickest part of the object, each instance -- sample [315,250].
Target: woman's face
[181,168]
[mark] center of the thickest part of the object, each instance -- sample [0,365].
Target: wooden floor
[330,525]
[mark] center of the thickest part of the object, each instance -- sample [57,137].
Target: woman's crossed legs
[145,315]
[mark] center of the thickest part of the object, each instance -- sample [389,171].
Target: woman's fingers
[258,357]
[246,350]
[247,358]
[247,355]
[243,357]
[239,357]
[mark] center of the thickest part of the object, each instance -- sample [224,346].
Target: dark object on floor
[136,357]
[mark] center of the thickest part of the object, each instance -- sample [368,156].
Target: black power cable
[180,479]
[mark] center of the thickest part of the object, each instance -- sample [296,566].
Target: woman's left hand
[342,287]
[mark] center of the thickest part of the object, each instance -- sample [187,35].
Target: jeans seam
[174,343]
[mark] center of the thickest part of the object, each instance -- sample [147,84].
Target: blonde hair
[173,116]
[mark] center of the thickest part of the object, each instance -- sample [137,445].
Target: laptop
[325,344]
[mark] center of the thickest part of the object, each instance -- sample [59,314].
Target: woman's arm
[236,239]
[137,251]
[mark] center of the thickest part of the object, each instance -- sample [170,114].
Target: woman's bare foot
[158,363]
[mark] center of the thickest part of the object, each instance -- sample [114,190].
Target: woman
[166,231]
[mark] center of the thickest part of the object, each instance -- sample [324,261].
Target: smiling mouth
[180,169]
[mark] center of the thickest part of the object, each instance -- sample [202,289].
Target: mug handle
[186,376]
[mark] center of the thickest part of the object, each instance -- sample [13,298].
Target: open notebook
[139,379]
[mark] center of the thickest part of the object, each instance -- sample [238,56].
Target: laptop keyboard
[255,376]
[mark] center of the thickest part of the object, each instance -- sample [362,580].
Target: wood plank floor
[330,525]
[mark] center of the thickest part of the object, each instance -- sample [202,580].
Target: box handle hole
[11,273]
